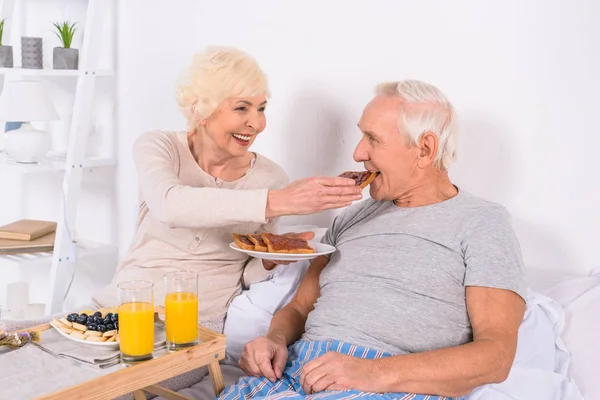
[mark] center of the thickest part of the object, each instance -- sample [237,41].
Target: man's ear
[428,146]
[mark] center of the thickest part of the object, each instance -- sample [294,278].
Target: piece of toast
[259,243]
[285,244]
[242,241]
[362,178]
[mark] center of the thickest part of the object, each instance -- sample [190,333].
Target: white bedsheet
[250,313]
[540,370]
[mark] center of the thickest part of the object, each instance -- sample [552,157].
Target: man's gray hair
[425,109]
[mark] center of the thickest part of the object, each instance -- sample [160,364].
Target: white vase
[27,144]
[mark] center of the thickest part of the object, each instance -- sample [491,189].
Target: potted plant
[65,57]
[6,52]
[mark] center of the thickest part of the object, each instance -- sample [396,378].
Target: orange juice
[181,317]
[136,328]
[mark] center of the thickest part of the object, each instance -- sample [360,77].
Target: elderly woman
[199,186]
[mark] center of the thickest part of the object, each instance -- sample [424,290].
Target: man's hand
[270,264]
[264,357]
[335,371]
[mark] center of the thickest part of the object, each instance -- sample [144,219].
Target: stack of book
[27,236]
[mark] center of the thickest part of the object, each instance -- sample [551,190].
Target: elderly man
[425,294]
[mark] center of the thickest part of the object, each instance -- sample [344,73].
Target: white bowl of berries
[96,328]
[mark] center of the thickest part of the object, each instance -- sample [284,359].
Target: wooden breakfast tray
[144,376]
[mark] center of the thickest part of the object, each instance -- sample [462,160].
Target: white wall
[523,76]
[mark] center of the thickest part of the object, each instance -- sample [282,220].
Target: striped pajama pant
[288,387]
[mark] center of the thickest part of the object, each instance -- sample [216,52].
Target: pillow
[558,347]
[539,371]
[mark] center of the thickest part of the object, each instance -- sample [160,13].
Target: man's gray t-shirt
[397,280]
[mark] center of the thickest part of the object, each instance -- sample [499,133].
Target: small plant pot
[65,58]
[6,57]
[32,55]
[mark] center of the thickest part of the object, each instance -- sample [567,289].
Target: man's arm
[495,315]
[287,325]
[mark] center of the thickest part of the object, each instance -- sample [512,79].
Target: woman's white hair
[216,74]
[425,109]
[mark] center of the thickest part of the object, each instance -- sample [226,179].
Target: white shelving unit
[33,268]
[49,274]
[23,72]
[55,162]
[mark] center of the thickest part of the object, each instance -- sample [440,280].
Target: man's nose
[360,153]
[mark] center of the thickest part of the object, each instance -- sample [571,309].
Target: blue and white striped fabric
[288,387]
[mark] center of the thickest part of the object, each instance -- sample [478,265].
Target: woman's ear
[198,120]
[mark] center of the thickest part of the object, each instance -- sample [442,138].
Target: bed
[558,352]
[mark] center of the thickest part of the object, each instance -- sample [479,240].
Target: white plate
[321,249]
[106,345]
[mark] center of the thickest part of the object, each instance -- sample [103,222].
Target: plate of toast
[269,246]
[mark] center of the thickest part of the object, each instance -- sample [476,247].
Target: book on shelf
[41,244]
[27,229]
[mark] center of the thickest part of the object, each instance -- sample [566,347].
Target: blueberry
[98,319]
[70,318]
[115,317]
[93,327]
[102,328]
[83,315]
[106,321]
[109,315]
[116,324]
[98,314]
[110,327]
[82,320]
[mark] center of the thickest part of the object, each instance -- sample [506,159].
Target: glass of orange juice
[181,309]
[136,320]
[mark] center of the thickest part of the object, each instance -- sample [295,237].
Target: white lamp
[26,101]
